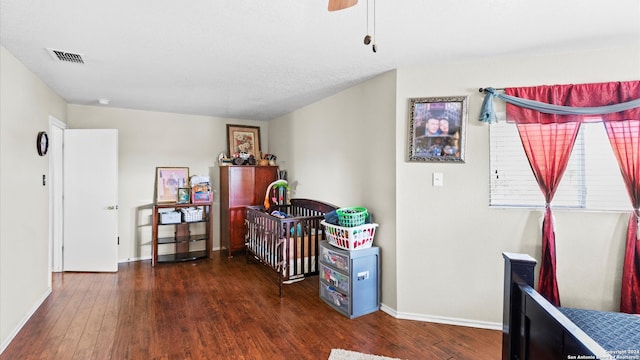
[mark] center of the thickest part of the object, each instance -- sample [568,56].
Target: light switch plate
[438,179]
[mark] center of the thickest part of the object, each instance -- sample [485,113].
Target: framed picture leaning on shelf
[168,181]
[184,194]
[243,139]
[437,129]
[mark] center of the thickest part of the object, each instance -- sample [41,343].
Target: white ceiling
[264,58]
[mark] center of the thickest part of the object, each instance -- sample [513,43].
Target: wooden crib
[289,245]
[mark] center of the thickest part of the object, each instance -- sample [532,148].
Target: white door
[90,200]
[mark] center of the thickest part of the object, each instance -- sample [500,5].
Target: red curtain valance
[575,95]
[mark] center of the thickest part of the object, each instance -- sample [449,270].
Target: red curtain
[625,141]
[549,154]
[548,147]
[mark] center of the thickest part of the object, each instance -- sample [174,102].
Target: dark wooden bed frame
[269,239]
[532,328]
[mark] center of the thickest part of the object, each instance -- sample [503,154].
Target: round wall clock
[42,143]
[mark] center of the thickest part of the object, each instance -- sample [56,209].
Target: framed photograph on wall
[168,181]
[437,129]
[243,139]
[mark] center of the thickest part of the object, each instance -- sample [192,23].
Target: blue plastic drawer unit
[349,280]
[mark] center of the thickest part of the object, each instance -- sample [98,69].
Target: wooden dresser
[240,186]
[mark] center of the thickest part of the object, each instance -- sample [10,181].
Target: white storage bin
[170,217]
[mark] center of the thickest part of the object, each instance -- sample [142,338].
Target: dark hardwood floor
[220,309]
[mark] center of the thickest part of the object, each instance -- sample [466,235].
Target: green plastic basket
[352,216]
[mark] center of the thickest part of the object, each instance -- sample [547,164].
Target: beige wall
[341,150]
[450,241]
[150,139]
[25,106]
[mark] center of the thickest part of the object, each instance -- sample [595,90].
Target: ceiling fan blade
[341,4]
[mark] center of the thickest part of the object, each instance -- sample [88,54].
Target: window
[592,180]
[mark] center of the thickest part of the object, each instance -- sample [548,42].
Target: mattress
[618,333]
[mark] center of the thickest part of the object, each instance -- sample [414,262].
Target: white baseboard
[134,259]
[17,329]
[442,319]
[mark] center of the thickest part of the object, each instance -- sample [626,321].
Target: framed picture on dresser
[243,139]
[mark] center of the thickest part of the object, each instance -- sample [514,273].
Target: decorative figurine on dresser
[349,264]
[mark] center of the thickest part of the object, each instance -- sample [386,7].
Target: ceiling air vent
[66,56]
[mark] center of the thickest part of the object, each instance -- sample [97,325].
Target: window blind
[592,180]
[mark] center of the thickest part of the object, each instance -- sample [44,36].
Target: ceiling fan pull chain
[367,16]
[367,37]
[373,46]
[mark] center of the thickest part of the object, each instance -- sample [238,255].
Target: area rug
[339,354]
